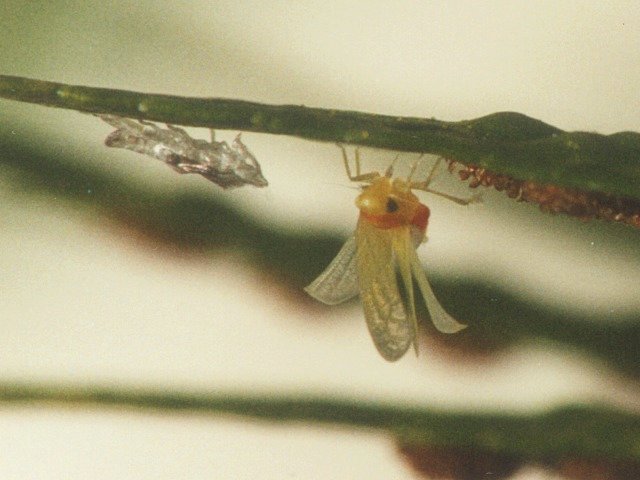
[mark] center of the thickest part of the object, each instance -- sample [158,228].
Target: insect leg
[433,172]
[475,198]
[358,177]
[424,186]
[414,167]
[389,171]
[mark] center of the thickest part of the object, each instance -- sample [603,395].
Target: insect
[229,166]
[391,225]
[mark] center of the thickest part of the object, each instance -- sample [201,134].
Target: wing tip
[452,330]
[313,291]
[448,324]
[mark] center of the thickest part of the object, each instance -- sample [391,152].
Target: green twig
[577,431]
[507,143]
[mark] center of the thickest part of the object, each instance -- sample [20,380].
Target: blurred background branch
[568,432]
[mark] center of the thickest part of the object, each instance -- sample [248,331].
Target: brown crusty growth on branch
[554,199]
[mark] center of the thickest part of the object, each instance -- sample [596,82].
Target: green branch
[506,143]
[579,431]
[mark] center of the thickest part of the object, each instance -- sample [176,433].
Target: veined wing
[444,322]
[339,281]
[403,245]
[392,331]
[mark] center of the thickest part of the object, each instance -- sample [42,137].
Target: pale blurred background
[85,301]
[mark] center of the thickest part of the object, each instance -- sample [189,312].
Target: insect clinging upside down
[392,224]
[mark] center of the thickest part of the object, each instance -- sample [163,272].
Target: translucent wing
[403,245]
[392,331]
[440,318]
[339,281]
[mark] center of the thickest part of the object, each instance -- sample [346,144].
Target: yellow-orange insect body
[392,224]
